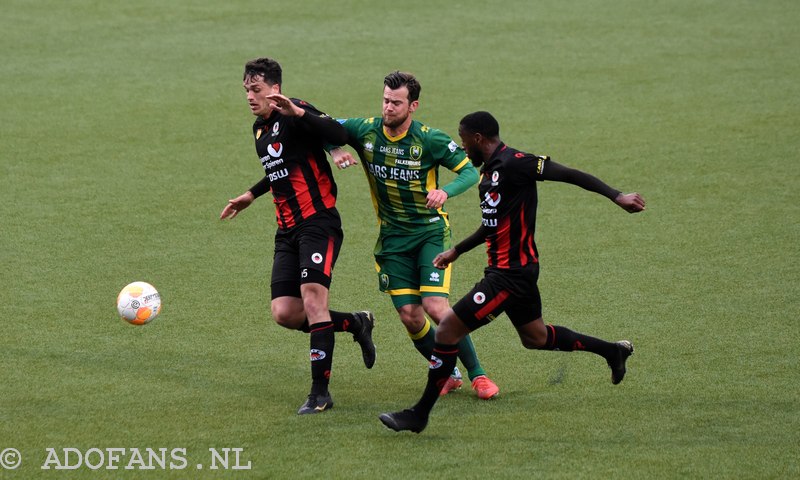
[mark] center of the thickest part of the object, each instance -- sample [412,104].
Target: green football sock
[468,356]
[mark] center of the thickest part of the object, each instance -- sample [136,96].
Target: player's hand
[445,258]
[342,158]
[283,105]
[436,198]
[630,202]
[236,205]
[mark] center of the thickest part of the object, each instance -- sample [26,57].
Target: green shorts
[404,262]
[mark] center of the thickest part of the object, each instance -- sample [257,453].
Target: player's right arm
[447,257]
[236,205]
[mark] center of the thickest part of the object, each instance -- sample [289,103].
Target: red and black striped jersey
[296,167]
[508,201]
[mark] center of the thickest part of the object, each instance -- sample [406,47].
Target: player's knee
[533,335]
[287,311]
[412,318]
[285,316]
[285,322]
[437,310]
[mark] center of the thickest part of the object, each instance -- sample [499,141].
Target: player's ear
[412,107]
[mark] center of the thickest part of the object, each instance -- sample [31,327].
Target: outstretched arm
[326,127]
[630,202]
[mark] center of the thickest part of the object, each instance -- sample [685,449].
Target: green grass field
[125,130]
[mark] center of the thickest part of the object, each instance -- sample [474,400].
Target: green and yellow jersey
[402,170]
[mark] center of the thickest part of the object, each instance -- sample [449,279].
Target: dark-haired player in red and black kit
[508,201]
[289,135]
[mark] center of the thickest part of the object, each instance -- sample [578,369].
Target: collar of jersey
[391,138]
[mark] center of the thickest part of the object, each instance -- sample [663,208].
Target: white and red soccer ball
[139,303]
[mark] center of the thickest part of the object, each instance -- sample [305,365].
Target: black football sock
[305,327]
[442,363]
[345,322]
[564,339]
[322,342]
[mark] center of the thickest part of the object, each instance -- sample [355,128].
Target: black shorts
[513,291]
[306,253]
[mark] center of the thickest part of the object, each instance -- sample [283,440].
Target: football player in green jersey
[401,159]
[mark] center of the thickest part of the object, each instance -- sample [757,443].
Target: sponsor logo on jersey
[317,355]
[316,258]
[495,177]
[277,175]
[416,152]
[268,163]
[393,173]
[434,362]
[453,146]
[392,150]
[275,149]
[282,173]
[275,128]
[409,163]
[434,277]
[492,199]
[479,298]
[384,279]
[368,146]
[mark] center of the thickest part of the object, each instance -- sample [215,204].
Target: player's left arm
[341,157]
[455,160]
[550,170]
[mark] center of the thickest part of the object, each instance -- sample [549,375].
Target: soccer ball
[139,303]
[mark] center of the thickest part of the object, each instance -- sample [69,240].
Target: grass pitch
[125,131]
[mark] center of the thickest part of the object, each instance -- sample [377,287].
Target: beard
[394,122]
[476,157]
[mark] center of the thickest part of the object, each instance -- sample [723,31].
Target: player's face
[396,107]
[470,142]
[257,90]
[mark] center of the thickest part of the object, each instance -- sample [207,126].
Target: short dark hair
[481,122]
[398,79]
[264,67]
